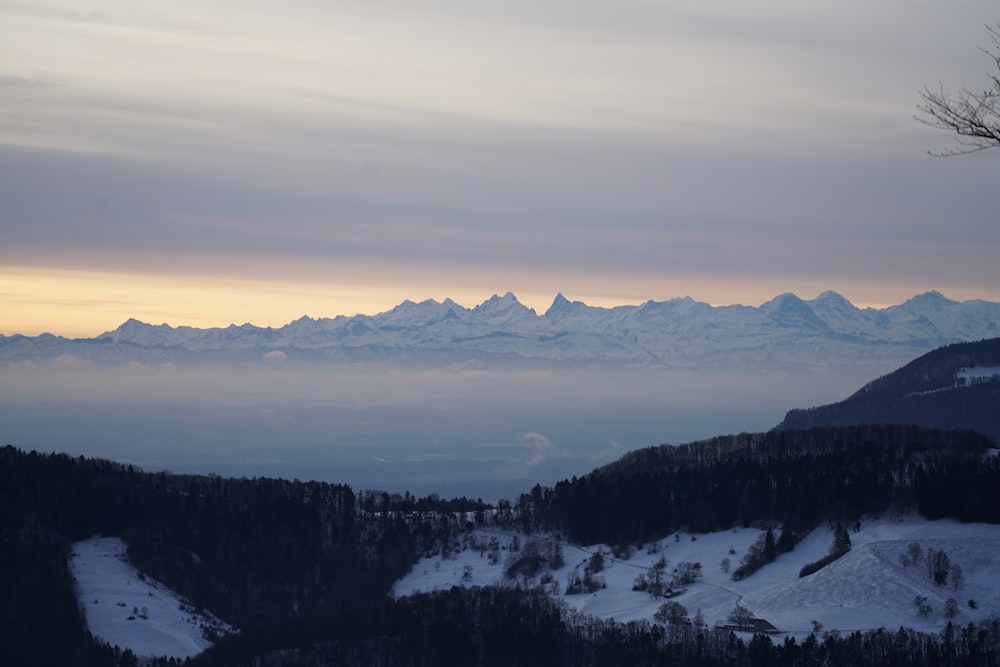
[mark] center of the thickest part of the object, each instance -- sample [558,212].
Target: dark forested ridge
[304,568]
[930,391]
[249,550]
[795,479]
[503,626]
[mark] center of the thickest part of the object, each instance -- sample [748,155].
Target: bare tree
[973,117]
[923,607]
[955,576]
[672,612]
[915,552]
[741,617]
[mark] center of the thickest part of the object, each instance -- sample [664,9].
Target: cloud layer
[443,430]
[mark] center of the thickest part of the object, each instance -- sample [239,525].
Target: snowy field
[125,608]
[974,373]
[867,588]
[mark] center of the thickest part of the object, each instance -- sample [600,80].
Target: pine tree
[841,540]
[770,548]
[786,541]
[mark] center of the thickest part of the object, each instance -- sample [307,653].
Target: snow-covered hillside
[125,608]
[869,587]
[822,332]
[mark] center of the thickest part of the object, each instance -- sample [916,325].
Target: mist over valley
[436,397]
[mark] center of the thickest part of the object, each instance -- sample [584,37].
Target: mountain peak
[136,331]
[786,297]
[928,302]
[783,302]
[496,300]
[678,331]
[931,297]
[829,296]
[507,299]
[830,302]
[409,314]
[789,311]
[504,308]
[132,326]
[561,306]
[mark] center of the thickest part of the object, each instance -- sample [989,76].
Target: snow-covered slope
[867,588]
[125,608]
[825,331]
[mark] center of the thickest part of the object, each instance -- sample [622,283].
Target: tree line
[304,568]
[248,550]
[792,479]
[505,626]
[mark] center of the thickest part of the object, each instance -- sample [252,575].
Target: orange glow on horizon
[80,303]
[86,303]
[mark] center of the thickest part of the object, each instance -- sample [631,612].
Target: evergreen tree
[770,548]
[786,541]
[841,540]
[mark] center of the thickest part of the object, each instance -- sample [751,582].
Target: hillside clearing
[125,608]
[866,589]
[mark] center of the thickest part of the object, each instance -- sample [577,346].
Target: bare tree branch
[973,117]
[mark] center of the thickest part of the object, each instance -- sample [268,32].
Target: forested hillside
[504,626]
[957,386]
[249,550]
[792,478]
[303,569]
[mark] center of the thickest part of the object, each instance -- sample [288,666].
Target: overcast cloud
[617,151]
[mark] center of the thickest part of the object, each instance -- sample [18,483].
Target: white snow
[977,373]
[125,608]
[867,588]
[825,331]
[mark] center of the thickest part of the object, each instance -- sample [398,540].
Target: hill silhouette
[956,386]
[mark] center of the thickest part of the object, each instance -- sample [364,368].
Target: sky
[209,163]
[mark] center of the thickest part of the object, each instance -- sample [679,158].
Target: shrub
[818,565]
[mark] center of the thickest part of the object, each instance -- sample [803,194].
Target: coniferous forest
[304,568]
[930,391]
[795,478]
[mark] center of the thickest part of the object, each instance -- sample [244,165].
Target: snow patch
[977,374]
[867,588]
[123,607]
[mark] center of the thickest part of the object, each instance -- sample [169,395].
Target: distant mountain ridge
[681,332]
[957,386]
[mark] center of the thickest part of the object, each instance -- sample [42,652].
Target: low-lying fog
[475,432]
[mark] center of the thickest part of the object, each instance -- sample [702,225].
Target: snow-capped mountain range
[680,332]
